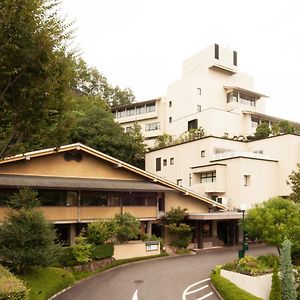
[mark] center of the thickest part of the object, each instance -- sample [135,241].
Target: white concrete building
[211,94]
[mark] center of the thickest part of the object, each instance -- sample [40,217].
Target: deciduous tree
[294,182]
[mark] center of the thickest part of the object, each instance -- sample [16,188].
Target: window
[152,126]
[121,114]
[139,199]
[150,107]
[208,177]
[170,119]
[130,111]
[170,103]
[216,51]
[202,153]
[232,97]
[5,194]
[172,161]
[140,110]
[190,179]
[234,58]
[158,163]
[198,108]
[193,124]
[254,121]
[53,197]
[179,182]
[199,91]
[246,180]
[100,198]
[128,129]
[164,162]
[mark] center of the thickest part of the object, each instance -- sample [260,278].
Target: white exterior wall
[266,173]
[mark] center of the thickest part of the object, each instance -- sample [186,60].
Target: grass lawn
[45,282]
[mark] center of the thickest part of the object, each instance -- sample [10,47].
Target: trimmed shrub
[102,251]
[82,250]
[99,232]
[227,289]
[11,287]
[275,293]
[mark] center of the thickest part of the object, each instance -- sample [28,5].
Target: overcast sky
[141,44]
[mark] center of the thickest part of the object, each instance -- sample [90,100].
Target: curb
[217,293]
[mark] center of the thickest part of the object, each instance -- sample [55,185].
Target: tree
[275,293]
[286,272]
[163,141]
[286,127]
[99,232]
[175,216]
[127,227]
[95,127]
[36,73]
[262,131]
[26,238]
[294,182]
[274,220]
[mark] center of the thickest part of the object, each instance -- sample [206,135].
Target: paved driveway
[162,279]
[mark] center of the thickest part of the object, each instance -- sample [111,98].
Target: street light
[244,244]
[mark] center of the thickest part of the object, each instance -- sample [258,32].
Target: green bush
[269,260]
[82,250]
[46,282]
[228,290]
[275,293]
[11,287]
[183,233]
[102,251]
[67,258]
[99,232]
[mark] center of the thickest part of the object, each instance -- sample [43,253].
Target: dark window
[139,199]
[208,177]
[170,103]
[234,58]
[216,51]
[170,119]
[179,182]
[100,198]
[172,161]
[164,162]
[190,179]
[202,153]
[158,163]
[5,194]
[193,124]
[53,197]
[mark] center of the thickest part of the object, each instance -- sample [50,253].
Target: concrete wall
[133,249]
[259,286]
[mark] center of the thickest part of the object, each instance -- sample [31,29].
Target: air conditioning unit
[222,200]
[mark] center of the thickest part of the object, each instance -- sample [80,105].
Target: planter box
[136,249]
[259,286]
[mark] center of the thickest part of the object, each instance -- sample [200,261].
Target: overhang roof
[116,162]
[80,183]
[238,89]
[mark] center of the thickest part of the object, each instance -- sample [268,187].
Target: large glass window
[121,114]
[152,126]
[139,199]
[130,111]
[99,198]
[150,107]
[140,110]
[53,197]
[208,177]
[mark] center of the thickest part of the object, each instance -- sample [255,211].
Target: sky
[141,44]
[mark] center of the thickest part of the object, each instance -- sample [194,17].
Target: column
[72,233]
[149,228]
[214,229]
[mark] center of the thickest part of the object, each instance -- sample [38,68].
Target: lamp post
[244,244]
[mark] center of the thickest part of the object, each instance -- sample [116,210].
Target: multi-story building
[211,94]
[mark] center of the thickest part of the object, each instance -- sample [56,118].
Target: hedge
[227,289]
[11,287]
[103,251]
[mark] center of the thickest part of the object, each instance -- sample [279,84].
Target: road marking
[197,290]
[135,295]
[185,293]
[205,296]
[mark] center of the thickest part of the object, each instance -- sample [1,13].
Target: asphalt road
[161,279]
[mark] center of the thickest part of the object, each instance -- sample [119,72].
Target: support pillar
[199,234]
[72,234]
[149,228]
[214,229]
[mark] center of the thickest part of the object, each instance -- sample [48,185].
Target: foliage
[286,127]
[26,198]
[99,232]
[26,238]
[91,82]
[268,260]
[145,237]
[262,131]
[46,282]
[127,227]
[96,128]
[66,259]
[163,141]
[274,220]
[286,272]
[275,293]
[11,287]
[102,251]
[36,74]
[294,182]
[227,289]
[82,250]
[183,232]
[175,216]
